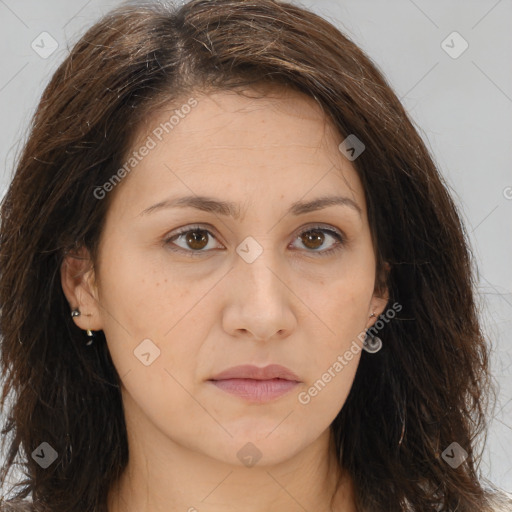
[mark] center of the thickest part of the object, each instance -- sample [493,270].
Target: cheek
[355,286]
[342,304]
[143,298]
[138,291]
[334,355]
[338,331]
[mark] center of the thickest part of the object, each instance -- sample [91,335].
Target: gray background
[462,107]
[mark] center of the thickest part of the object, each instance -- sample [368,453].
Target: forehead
[256,114]
[276,144]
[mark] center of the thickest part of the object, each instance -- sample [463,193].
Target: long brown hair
[427,387]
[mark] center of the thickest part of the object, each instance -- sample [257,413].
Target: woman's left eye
[316,237]
[198,239]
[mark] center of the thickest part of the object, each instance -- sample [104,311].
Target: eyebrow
[226,208]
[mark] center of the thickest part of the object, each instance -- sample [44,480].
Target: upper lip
[248,371]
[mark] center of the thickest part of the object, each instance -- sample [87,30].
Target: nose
[260,303]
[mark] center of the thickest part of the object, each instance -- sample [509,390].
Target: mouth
[256,390]
[254,384]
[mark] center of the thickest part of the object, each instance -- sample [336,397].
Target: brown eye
[312,239]
[193,240]
[315,238]
[197,239]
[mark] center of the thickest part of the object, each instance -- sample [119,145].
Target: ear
[380,296]
[79,287]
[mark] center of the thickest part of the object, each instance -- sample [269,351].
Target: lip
[255,384]
[249,371]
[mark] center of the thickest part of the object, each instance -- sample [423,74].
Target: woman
[233,279]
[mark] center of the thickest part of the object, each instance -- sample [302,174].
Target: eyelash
[336,247]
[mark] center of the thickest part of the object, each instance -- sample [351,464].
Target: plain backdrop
[460,99]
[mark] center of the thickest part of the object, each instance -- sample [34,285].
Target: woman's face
[265,281]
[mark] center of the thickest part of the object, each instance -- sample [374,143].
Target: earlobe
[78,285]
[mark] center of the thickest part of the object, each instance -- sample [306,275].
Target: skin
[291,306]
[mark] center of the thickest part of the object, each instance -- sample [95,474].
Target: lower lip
[256,390]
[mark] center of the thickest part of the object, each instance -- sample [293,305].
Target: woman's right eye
[195,238]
